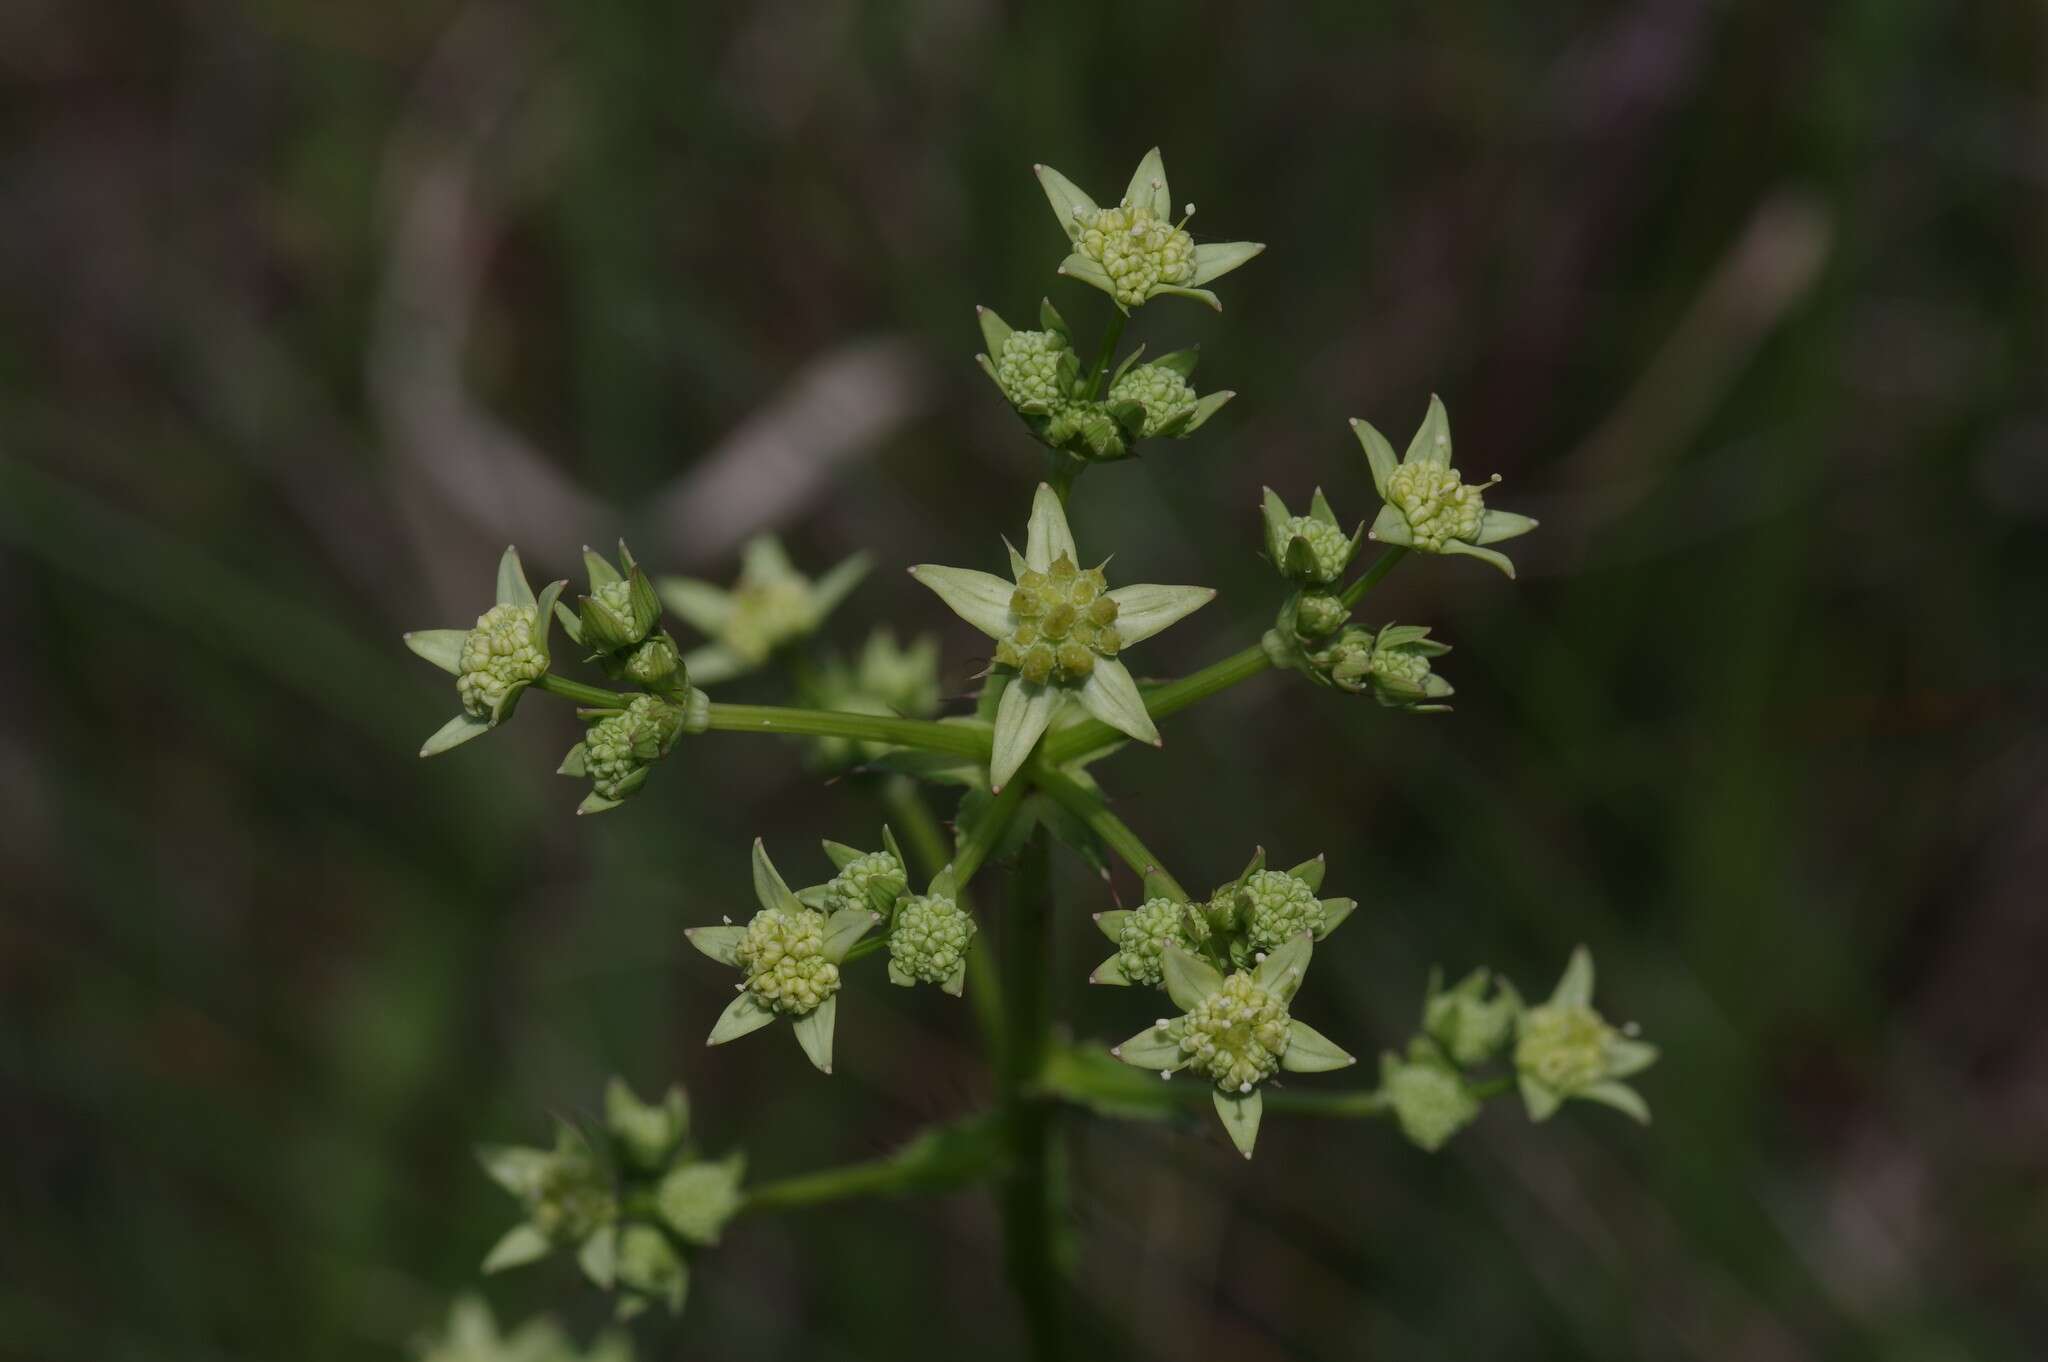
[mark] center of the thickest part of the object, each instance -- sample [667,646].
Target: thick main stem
[830,723]
[1030,1193]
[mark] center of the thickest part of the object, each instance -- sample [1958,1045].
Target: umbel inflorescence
[1217,978]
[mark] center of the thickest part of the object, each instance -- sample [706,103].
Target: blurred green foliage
[315,306]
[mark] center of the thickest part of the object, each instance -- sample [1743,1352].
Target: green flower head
[1309,550]
[645,1134]
[1236,1032]
[1429,507]
[1134,250]
[1040,376]
[1142,936]
[1469,1026]
[1061,630]
[790,956]
[1394,665]
[566,1192]
[1262,909]
[494,662]
[771,605]
[928,942]
[873,880]
[1429,1098]
[621,609]
[1565,1049]
[618,750]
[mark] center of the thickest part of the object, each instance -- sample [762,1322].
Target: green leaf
[1379,455]
[512,587]
[1151,1048]
[1049,319]
[1112,696]
[1273,512]
[840,854]
[1319,508]
[1432,442]
[1020,721]
[1144,610]
[1463,549]
[522,1244]
[1241,1113]
[980,598]
[1064,197]
[599,568]
[597,803]
[814,1033]
[1391,527]
[454,733]
[1148,186]
[995,332]
[1309,1051]
[1205,407]
[769,887]
[743,1016]
[1214,259]
[717,942]
[442,647]
[1334,913]
[1046,536]
[1189,979]
[1160,885]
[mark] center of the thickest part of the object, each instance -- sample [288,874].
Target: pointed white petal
[980,598]
[1046,536]
[1112,696]
[1142,611]
[442,647]
[1021,718]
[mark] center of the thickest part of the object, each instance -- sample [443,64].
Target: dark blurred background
[311,307]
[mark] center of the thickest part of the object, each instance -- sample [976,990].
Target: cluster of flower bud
[617,750]
[1235,1036]
[769,606]
[499,654]
[928,940]
[1430,1099]
[1135,247]
[783,957]
[1392,664]
[1147,930]
[873,880]
[1162,392]
[1063,619]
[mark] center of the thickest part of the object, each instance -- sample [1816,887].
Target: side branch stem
[830,723]
[1086,805]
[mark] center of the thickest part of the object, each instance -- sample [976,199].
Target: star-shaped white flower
[1060,629]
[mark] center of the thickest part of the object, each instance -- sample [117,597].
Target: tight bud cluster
[1064,620]
[1565,1047]
[1437,503]
[929,939]
[870,881]
[1163,392]
[783,954]
[498,654]
[1028,369]
[1137,249]
[1276,906]
[1150,929]
[1236,1036]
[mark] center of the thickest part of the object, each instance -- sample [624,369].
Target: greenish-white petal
[1432,442]
[1379,455]
[1200,295]
[1064,196]
[1151,1048]
[1080,267]
[1388,527]
[899,976]
[1148,186]
[840,854]
[763,559]
[522,1244]
[544,614]
[995,332]
[1017,563]
[980,598]
[1214,259]
[1575,985]
[1495,526]
[1309,1051]
[1144,610]
[717,942]
[512,587]
[769,886]
[956,982]
[1281,972]
[1625,1057]
[598,568]
[597,803]
[1310,872]
[1620,1096]
[1541,1102]
[1110,971]
[1188,978]
[1241,1113]
[442,647]
[743,1016]
[454,733]
[703,606]
[1020,720]
[814,1032]
[1112,696]
[1046,535]
[1465,550]
[845,927]
[1334,913]
[577,764]
[832,588]
[1111,923]
[1205,407]
[599,1258]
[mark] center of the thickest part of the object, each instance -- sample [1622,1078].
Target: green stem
[830,723]
[987,834]
[1030,1194]
[596,697]
[943,1157]
[1108,352]
[933,849]
[1088,806]
[1381,566]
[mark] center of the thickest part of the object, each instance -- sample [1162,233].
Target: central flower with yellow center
[1064,619]
[1236,1035]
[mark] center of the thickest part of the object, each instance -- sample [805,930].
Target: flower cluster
[770,606]
[1429,507]
[494,662]
[618,749]
[1565,1049]
[1133,250]
[633,1203]
[928,942]
[1393,665]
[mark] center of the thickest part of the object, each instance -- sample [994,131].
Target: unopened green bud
[1029,370]
[617,750]
[1564,1047]
[1329,548]
[1438,504]
[657,665]
[873,881]
[1149,929]
[1320,613]
[783,954]
[928,942]
[1235,1036]
[1394,665]
[1277,907]
[1062,620]
[1430,1101]
[499,655]
[1163,392]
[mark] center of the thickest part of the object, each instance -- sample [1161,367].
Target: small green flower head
[1262,909]
[1394,665]
[472,1336]
[566,1192]
[1062,630]
[655,664]
[494,662]
[1142,935]
[928,942]
[790,956]
[885,679]
[1429,507]
[1235,1032]
[1469,1026]
[619,748]
[1318,614]
[646,1134]
[1309,550]
[1134,250]
[1035,369]
[621,608]
[873,880]
[1429,1098]
[771,605]
[1166,397]
[1565,1049]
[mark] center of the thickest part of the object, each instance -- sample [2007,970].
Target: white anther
[1244,1087]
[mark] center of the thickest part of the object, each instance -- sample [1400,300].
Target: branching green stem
[830,723]
[594,697]
[1381,566]
[1089,807]
[1110,338]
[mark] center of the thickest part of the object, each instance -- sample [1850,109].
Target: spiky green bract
[1564,1049]
[1061,630]
[494,662]
[1134,250]
[790,956]
[633,1205]
[1429,506]
[770,606]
